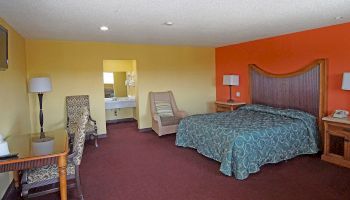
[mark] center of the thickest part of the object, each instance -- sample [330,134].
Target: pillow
[164,109]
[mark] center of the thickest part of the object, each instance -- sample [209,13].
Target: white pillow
[164,109]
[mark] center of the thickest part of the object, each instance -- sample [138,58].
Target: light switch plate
[238,94]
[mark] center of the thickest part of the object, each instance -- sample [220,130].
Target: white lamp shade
[346,81]
[40,85]
[231,80]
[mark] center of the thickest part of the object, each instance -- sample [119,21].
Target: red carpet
[130,165]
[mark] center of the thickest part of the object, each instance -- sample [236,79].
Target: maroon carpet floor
[130,165]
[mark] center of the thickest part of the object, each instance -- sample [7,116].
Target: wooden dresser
[337,130]
[222,106]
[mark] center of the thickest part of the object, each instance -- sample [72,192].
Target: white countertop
[120,102]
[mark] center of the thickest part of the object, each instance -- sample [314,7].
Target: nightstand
[222,106]
[339,130]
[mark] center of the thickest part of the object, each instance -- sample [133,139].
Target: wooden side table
[337,128]
[21,145]
[222,106]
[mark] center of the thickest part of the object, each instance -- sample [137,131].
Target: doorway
[120,86]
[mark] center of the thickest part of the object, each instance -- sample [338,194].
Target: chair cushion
[164,109]
[74,105]
[72,127]
[168,121]
[47,172]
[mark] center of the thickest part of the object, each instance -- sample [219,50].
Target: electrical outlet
[238,94]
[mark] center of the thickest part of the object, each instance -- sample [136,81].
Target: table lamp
[231,80]
[346,81]
[40,85]
[4,148]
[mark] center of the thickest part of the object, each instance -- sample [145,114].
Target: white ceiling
[196,22]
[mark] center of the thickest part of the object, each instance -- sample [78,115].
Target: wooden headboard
[305,89]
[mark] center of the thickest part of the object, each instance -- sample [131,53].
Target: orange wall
[288,53]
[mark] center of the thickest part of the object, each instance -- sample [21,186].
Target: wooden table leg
[62,171]
[326,143]
[16,179]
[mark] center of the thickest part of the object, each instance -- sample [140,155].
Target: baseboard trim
[115,121]
[144,130]
[103,135]
[11,192]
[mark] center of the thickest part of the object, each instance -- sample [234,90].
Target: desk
[21,144]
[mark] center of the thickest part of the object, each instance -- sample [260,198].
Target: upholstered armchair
[165,114]
[74,104]
[47,175]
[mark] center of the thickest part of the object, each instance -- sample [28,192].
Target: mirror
[115,84]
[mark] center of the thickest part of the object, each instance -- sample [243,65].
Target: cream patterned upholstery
[72,127]
[165,114]
[48,174]
[74,104]
[79,137]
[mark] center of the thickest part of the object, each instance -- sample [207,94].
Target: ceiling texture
[211,23]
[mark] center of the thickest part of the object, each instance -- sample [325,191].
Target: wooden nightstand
[339,130]
[225,106]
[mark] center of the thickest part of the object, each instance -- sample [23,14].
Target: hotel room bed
[254,135]
[282,122]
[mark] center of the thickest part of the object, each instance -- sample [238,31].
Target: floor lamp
[40,85]
[231,80]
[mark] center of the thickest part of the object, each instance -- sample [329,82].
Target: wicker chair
[74,104]
[165,121]
[46,175]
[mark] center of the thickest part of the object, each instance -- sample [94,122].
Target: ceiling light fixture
[339,18]
[104,28]
[169,23]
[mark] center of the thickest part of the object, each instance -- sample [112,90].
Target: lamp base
[230,101]
[42,146]
[42,139]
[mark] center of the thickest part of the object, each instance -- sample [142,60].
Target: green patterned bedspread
[254,135]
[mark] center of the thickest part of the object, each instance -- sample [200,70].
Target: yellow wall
[14,117]
[118,65]
[120,89]
[76,68]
